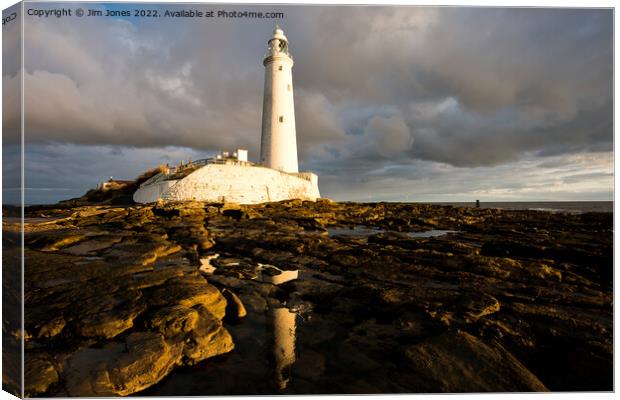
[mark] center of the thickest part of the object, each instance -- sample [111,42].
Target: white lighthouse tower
[278,138]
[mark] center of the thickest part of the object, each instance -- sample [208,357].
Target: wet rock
[310,365]
[108,315]
[190,291]
[234,308]
[52,327]
[254,301]
[171,321]
[352,354]
[108,324]
[119,369]
[207,339]
[39,374]
[470,307]
[141,253]
[56,241]
[157,277]
[459,362]
[92,246]
[227,281]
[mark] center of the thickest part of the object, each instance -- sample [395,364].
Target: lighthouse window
[288,87]
[281,118]
[280,68]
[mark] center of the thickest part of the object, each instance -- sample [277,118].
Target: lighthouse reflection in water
[285,325]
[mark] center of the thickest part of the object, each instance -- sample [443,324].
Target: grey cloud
[467,139]
[121,92]
[388,137]
[576,178]
[319,128]
[520,79]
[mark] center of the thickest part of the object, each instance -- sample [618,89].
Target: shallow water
[361,230]
[277,277]
[428,234]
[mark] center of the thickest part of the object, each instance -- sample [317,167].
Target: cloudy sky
[392,103]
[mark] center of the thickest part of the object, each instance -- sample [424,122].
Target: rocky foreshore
[189,298]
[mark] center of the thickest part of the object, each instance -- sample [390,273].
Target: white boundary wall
[151,193]
[233,183]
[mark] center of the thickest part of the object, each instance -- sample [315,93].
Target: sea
[572,207]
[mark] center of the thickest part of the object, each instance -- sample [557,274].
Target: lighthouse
[278,137]
[230,178]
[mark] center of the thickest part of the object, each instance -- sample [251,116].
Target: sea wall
[234,183]
[153,192]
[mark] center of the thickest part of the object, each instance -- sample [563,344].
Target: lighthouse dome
[278,34]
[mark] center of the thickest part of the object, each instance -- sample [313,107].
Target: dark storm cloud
[376,88]
[472,140]
[476,86]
